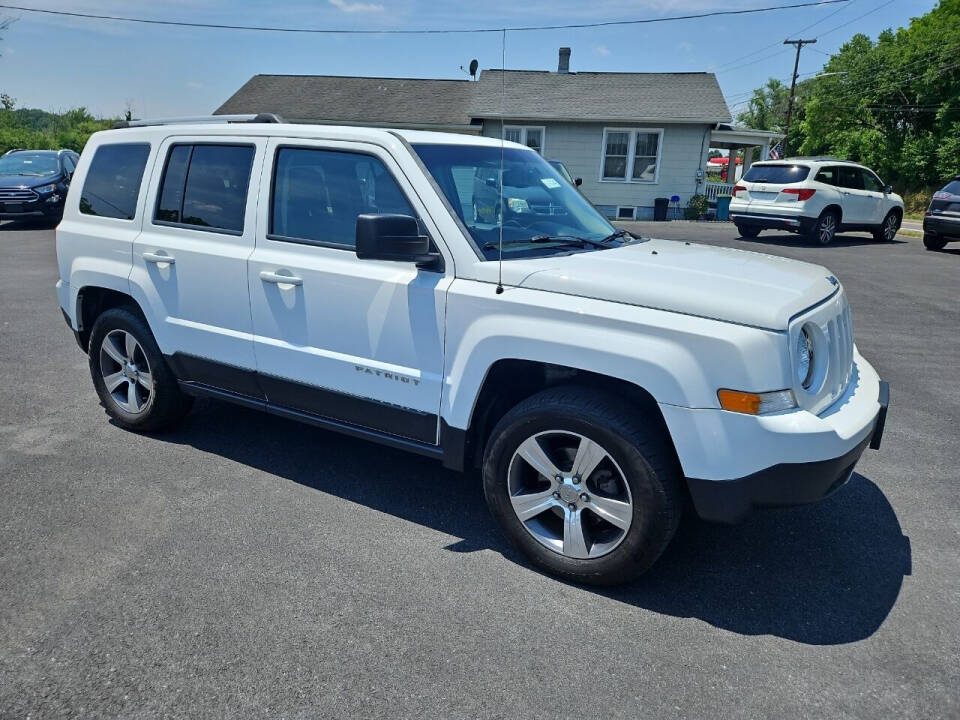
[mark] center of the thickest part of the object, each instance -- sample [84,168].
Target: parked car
[941,222]
[815,197]
[525,194]
[33,183]
[564,173]
[336,276]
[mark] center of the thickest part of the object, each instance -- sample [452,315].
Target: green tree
[767,108]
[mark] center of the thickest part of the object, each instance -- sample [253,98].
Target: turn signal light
[756,403]
[736,189]
[801,193]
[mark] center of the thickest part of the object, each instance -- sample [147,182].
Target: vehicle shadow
[785,239]
[823,574]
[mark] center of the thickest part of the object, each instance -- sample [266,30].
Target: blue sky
[57,63]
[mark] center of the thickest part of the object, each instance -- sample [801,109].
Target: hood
[17,182]
[737,286]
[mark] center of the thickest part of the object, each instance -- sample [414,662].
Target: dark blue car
[33,183]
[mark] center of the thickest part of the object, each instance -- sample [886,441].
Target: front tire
[932,242]
[583,485]
[747,231]
[135,386]
[826,228]
[887,230]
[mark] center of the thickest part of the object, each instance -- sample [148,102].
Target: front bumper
[734,462]
[45,206]
[780,221]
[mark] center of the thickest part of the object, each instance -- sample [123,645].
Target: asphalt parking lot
[248,566]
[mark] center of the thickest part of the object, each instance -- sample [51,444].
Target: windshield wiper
[567,240]
[614,235]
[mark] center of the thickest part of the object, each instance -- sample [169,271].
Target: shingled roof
[452,104]
[600,96]
[363,100]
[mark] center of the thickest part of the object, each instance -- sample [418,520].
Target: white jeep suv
[816,197]
[338,276]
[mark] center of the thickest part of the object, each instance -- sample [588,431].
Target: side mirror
[393,237]
[578,182]
[887,189]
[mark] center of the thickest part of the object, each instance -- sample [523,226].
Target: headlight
[44,189]
[804,359]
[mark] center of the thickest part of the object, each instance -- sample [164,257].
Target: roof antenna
[503,132]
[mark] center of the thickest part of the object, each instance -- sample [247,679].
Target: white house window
[532,137]
[631,155]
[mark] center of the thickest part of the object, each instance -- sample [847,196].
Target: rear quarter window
[952,187]
[112,185]
[777,174]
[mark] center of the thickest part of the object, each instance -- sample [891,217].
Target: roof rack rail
[195,119]
[13,150]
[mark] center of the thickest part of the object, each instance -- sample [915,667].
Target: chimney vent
[564,65]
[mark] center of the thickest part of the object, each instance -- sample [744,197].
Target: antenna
[503,132]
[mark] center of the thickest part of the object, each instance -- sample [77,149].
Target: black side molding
[884,400]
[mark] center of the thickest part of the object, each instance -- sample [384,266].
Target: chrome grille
[835,322]
[16,195]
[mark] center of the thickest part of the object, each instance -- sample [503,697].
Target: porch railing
[714,189]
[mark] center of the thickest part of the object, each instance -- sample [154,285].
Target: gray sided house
[631,137]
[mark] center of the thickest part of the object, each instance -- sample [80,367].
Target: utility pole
[793,88]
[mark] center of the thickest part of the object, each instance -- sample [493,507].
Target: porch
[736,141]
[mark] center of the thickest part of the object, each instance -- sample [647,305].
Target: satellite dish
[473,67]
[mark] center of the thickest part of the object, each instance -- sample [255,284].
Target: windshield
[777,174]
[541,212]
[35,164]
[562,169]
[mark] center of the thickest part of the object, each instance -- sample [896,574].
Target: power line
[420,31]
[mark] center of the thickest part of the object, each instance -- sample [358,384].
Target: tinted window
[952,187]
[871,182]
[317,194]
[851,177]
[69,164]
[777,174]
[170,204]
[206,186]
[113,181]
[828,175]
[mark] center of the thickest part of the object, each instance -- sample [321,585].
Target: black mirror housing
[887,189]
[391,237]
[578,182]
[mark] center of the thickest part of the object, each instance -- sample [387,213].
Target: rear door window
[851,177]
[112,185]
[777,174]
[205,186]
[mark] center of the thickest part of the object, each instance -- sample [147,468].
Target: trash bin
[660,207]
[723,207]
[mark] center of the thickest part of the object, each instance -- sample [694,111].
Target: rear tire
[932,242]
[887,230]
[747,231]
[565,531]
[136,387]
[826,228]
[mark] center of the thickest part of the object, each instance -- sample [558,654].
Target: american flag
[775,151]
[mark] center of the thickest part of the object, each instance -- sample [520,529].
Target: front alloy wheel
[570,494]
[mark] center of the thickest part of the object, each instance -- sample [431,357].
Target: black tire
[828,224]
[640,450]
[748,231]
[165,405]
[932,242]
[887,230]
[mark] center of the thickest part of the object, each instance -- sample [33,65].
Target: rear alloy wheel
[888,228]
[932,242]
[583,484]
[747,231]
[135,386]
[826,228]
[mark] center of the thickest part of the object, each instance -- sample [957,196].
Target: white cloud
[351,7]
[602,50]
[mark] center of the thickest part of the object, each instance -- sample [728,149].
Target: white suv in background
[816,197]
[338,276]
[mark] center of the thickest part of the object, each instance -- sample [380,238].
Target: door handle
[278,279]
[159,257]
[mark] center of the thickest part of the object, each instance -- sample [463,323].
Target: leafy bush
[696,208]
[916,203]
[41,130]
